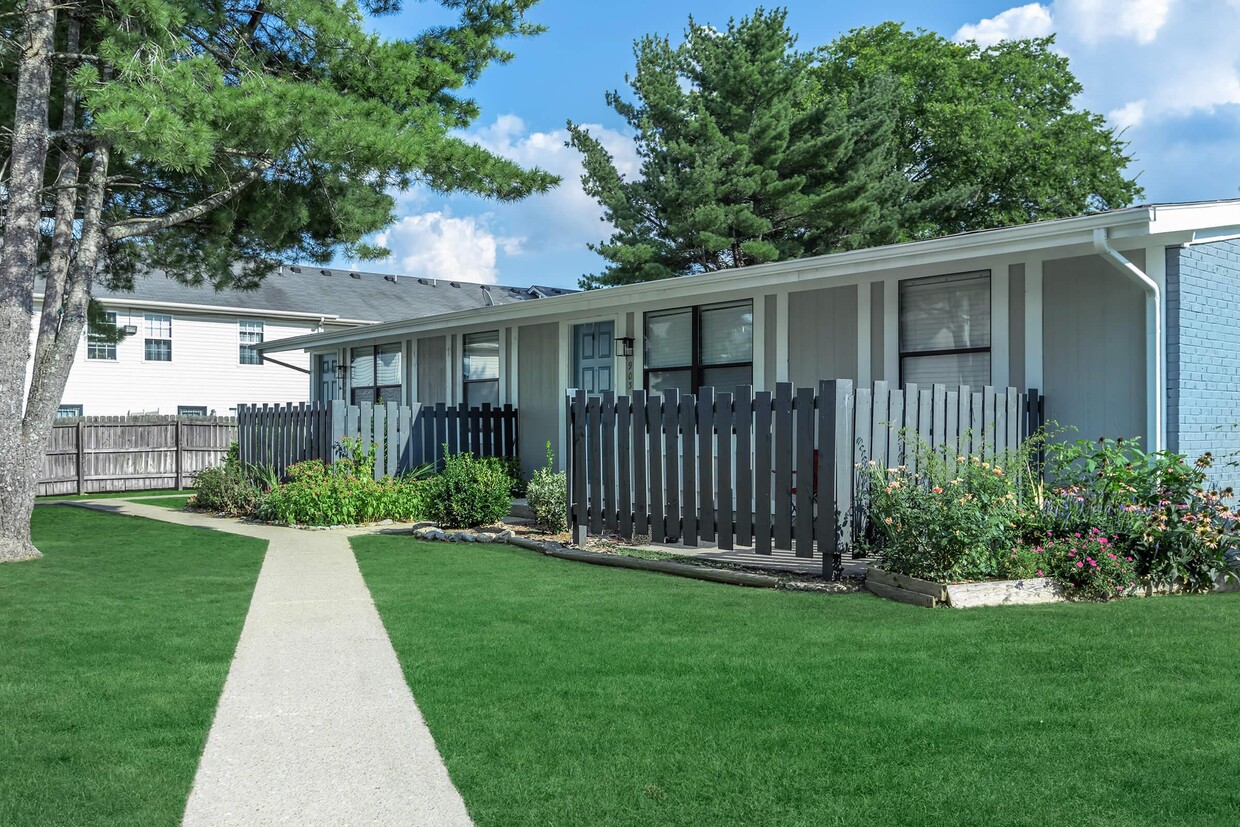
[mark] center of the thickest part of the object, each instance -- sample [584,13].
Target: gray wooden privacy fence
[405,437]
[116,453]
[767,470]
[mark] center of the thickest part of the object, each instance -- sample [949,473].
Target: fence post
[577,475]
[835,469]
[179,462]
[81,457]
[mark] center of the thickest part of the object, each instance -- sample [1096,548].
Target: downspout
[1153,331]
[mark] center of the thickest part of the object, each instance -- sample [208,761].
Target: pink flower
[1080,564]
[1039,572]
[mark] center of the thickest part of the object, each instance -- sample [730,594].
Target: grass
[113,495]
[113,653]
[567,694]
[174,503]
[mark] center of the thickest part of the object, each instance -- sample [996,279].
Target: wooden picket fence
[405,437]
[97,454]
[767,470]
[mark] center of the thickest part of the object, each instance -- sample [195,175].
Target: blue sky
[1167,70]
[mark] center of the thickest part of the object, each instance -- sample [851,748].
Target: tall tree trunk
[17,268]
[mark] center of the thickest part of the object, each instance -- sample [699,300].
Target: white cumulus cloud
[1033,20]
[1130,114]
[440,245]
[1093,21]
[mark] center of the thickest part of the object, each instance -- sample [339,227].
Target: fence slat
[688,471]
[637,416]
[912,413]
[762,472]
[878,428]
[706,464]
[783,465]
[671,462]
[743,424]
[609,460]
[654,433]
[577,442]
[380,433]
[594,477]
[806,472]
[624,452]
[835,470]
[895,419]
[725,531]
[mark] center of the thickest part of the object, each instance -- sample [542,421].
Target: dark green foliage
[992,136]
[743,159]
[468,493]
[568,694]
[344,493]
[116,646]
[511,466]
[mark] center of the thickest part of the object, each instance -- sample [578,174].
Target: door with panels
[594,362]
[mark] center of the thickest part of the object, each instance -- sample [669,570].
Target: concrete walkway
[316,724]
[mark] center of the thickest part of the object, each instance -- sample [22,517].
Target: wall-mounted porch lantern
[624,346]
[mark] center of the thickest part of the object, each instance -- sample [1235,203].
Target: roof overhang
[1171,223]
[218,310]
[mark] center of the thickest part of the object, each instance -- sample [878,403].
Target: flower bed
[1118,522]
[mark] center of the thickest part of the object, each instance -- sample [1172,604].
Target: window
[374,373]
[945,330]
[158,338]
[68,411]
[251,335]
[191,410]
[98,345]
[696,347]
[482,368]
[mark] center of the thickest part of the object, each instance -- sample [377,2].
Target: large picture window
[158,346]
[100,346]
[696,347]
[481,379]
[945,330]
[374,373]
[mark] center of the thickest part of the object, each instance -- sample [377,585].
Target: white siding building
[191,350]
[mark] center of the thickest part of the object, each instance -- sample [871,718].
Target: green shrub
[955,518]
[227,489]
[547,494]
[345,493]
[469,492]
[1089,565]
[511,466]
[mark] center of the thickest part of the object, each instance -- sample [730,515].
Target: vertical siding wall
[1094,348]
[538,381]
[822,335]
[432,371]
[1203,352]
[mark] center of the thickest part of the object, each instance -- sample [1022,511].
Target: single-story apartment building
[1128,321]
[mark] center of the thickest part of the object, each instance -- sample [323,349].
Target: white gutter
[1155,397]
[120,302]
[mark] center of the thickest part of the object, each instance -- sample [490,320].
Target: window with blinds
[251,334]
[945,330]
[481,368]
[374,373]
[158,344]
[695,347]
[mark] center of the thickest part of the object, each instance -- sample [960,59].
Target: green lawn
[114,495]
[569,694]
[175,503]
[113,652]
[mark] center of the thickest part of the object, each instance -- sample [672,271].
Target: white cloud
[565,218]
[1130,114]
[1033,20]
[1168,71]
[439,245]
[1093,21]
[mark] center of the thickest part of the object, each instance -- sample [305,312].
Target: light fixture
[341,371]
[130,329]
[624,345]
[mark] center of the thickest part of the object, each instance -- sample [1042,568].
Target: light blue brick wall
[1203,353]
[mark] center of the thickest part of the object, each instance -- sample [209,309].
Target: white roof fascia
[218,310]
[1131,223]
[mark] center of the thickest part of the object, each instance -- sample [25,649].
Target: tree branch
[131,227]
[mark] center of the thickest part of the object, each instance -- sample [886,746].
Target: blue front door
[593,357]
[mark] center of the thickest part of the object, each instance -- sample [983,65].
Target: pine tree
[743,160]
[210,140]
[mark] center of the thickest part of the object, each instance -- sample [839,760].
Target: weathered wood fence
[405,437]
[771,470]
[114,453]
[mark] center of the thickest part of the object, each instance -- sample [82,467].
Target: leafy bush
[511,466]
[469,492]
[1089,565]
[344,493]
[547,494]
[955,519]
[229,488]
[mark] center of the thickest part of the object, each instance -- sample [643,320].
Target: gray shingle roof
[369,297]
